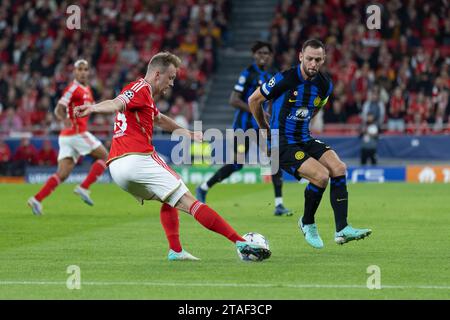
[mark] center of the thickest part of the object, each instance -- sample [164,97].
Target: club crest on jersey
[129,94]
[316,101]
[299,155]
[272,82]
[242,80]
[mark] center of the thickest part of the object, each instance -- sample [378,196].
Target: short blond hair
[163,60]
[80,62]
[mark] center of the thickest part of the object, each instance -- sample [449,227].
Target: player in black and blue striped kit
[250,79]
[298,94]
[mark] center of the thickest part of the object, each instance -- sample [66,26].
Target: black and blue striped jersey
[249,79]
[295,101]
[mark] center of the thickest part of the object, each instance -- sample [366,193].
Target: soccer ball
[255,238]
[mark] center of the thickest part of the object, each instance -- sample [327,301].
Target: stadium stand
[404,65]
[37,52]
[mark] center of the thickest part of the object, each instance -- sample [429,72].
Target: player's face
[167,78]
[262,56]
[311,60]
[82,73]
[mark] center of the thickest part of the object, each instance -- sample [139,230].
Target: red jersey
[26,153]
[75,95]
[133,127]
[5,152]
[397,106]
[47,157]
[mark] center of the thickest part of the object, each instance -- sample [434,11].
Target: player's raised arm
[107,106]
[167,124]
[255,103]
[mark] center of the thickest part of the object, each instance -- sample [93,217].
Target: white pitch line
[238,285]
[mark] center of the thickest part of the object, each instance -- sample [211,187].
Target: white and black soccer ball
[255,238]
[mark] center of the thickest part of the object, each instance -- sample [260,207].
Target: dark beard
[308,73]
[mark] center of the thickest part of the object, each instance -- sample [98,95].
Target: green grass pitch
[121,249]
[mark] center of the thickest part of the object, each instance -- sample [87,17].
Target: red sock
[213,221]
[170,223]
[96,171]
[48,187]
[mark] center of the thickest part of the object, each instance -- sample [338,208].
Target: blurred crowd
[398,74]
[26,154]
[117,37]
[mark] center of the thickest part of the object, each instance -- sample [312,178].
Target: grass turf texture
[121,249]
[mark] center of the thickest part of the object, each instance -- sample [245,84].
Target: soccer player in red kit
[74,140]
[136,167]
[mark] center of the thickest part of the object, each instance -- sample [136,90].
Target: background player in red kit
[136,167]
[74,140]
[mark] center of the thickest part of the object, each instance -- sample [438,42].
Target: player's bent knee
[321,177]
[62,176]
[340,169]
[63,173]
[185,203]
[323,180]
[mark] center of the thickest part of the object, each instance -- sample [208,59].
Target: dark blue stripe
[290,129]
[299,73]
[244,120]
[314,188]
[341,181]
[314,95]
[276,108]
[329,89]
[303,124]
[249,92]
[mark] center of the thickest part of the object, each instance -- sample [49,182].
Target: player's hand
[83,111]
[197,136]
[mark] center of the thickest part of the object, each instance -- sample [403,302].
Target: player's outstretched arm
[107,106]
[167,124]
[255,103]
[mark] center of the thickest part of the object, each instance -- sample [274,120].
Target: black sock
[223,173]
[313,195]
[339,201]
[277,181]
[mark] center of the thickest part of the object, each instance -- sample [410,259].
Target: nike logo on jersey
[290,100]
[339,200]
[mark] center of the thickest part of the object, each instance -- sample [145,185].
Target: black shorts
[292,156]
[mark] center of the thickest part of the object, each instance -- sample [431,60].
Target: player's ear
[300,56]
